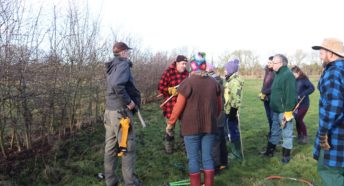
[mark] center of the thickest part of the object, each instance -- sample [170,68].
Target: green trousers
[330,175]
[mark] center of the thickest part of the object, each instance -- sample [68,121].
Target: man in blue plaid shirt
[329,142]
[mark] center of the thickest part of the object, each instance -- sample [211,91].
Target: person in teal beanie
[198,107]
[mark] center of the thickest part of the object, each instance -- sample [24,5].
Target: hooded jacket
[121,88]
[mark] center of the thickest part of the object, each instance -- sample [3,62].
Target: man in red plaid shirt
[172,77]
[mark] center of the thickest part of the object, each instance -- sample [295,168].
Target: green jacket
[232,92]
[283,91]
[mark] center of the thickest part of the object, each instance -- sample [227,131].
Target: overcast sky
[215,26]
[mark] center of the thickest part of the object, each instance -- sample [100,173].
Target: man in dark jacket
[266,91]
[282,101]
[121,98]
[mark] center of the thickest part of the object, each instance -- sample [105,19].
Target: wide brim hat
[333,45]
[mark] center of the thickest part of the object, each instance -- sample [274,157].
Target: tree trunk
[97,105]
[12,138]
[74,106]
[27,121]
[18,141]
[2,145]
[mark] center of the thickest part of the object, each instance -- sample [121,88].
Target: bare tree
[298,58]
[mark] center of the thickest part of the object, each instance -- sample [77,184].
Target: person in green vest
[233,93]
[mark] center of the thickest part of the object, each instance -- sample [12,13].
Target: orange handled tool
[125,124]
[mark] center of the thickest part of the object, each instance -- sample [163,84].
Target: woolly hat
[198,62]
[232,66]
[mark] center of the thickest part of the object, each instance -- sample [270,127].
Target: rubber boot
[209,177]
[286,155]
[195,179]
[270,149]
[231,151]
[235,150]
[237,146]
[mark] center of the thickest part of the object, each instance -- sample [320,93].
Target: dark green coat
[283,91]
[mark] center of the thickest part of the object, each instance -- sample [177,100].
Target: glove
[288,116]
[324,142]
[172,91]
[170,130]
[261,96]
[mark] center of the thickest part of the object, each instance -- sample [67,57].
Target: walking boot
[270,149]
[286,155]
[305,140]
[209,177]
[299,139]
[195,179]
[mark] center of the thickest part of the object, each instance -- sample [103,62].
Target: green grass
[78,159]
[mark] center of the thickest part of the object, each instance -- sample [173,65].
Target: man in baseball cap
[168,84]
[119,47]
[122,99]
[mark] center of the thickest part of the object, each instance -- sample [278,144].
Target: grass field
[78,159]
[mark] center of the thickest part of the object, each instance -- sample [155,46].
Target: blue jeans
[276,131]
[199,149]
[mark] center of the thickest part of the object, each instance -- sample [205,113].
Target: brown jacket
[198,105]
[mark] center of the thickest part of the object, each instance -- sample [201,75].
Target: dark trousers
[232,123]
[268,113]
[300,124]
[220,153]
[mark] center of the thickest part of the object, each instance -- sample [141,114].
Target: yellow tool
[284,121]
[125,124]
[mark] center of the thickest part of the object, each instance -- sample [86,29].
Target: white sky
[215,26]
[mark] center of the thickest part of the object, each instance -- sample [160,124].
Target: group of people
[205,106]
[285,94]
[207,110]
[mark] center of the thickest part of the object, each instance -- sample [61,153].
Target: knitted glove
[172,91]
[262,96]
[324,142]
[170,130]
[288,116]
